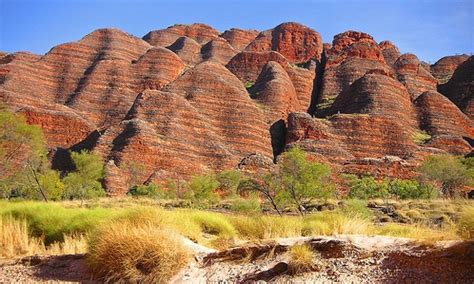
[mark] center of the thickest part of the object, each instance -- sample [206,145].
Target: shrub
[84,182]
[249,84]
[421,137]
[52,185]
[411,189]
[152,190]
[204,188]
[302,259]
[366,187]
[229,181]
[452,173]
[246,205]
[301,179]
[136,252]
[22,157]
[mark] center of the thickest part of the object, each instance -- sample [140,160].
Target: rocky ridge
[189,99]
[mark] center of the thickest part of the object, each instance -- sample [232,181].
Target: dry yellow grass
[419,232]
[466,223]
[136,252]
[15,241]
[302,259]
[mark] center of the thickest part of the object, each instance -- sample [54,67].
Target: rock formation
[188,99]
[460,88]
[444,68]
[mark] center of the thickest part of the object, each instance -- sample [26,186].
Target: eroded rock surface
[189,99]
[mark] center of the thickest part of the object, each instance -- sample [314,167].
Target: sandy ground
[341,259]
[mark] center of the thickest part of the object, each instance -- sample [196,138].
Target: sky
[430,29]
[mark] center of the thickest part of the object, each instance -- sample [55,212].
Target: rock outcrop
[294,41]
[460,88]
[239,39]
[444,68]
[350,56]
[413,74]
[199,32]
[188,99]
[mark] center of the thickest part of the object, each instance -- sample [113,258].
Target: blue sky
[430,28]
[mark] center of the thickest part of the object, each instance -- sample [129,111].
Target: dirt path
[357,259]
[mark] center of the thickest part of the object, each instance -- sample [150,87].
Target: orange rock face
[412,73]
[199,32]
[460,88]
[444,68]
[294,41]
[390,52]
[351,56]
[239,39]
[189,99]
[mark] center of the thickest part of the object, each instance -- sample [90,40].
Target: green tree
[366,187]
[84,182]
[204,187]
[449,172]
[411,189]
[22,156]
[301,179]
[52,184]
[262,183]
[229,181]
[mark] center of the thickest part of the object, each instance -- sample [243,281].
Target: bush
[152,190]
[301,179]
[203,188]
[366,187]
[411,189]
[452,173]
[229,182]
[22,157]
[84,182]
[246,205]
[131,252]
[421,137]
[52,185]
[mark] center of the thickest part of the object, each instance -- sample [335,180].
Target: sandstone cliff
[189,99]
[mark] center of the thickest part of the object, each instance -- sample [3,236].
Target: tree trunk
[272,201]
[40,188]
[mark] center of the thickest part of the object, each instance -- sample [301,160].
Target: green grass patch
[421,137]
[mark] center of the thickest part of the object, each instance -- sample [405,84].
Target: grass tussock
[333,223]
[15,240]
[48,228]
[51,221]
[136,252]
[302,259]
[466,223]
[266,227]
[419,232]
